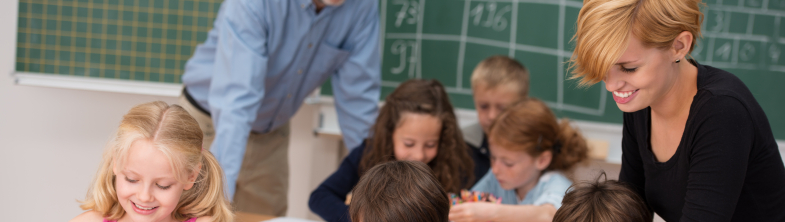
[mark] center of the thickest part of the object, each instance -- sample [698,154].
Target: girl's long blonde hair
[176,134]
[604,27]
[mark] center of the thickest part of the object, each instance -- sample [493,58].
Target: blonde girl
[154,169]
[696,144]
[531,152]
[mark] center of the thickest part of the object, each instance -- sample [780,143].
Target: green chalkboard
[445,39]
[150,40]
[145,40]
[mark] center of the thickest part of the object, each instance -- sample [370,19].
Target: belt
[194,103]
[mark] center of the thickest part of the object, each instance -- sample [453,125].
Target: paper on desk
[288,219]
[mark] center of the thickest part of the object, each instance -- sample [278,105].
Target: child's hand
[473,212]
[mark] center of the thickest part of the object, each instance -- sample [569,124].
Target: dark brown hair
[399,191]
[607,201]
[530,126]
[452,165]
[497,70]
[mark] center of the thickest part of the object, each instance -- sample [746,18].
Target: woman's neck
[675,104]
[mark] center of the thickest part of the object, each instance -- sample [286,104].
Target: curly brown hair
[452,165]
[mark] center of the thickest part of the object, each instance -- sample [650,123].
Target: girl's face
[641,77]
[517,169]
[416,138]
[146,186]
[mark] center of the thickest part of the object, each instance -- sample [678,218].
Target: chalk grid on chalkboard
[148,40]
[743,35]
[403,35]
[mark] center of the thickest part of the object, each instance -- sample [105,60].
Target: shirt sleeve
[485,184]
[328,200]
[237,85]
[718,160]
[554,191]
[631,163]
[357,84]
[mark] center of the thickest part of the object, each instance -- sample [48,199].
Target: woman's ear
[544,160]
[192,177]
[681,45]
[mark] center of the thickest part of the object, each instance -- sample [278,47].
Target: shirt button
[310,45]
[299,71]
[483,151]
[289,95]
[302,5]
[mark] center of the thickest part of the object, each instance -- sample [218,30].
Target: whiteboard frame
[98,84]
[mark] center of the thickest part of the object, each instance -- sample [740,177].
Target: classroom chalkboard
[150,40]
[144,40]
[445,39]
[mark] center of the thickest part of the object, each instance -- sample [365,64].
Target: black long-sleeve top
[328,200]
[727,166]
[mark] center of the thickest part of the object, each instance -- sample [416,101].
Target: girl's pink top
[189,220]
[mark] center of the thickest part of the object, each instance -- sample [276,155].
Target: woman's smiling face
[641,77]
[146,186]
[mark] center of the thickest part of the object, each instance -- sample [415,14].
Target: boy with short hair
[497,82]
[607,201]
[399,191]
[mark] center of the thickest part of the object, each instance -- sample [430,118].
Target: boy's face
[490,102]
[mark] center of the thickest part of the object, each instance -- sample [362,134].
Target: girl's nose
[145,195]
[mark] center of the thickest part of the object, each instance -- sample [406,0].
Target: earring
[678,60]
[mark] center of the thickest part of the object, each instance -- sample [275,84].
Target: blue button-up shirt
[263,58]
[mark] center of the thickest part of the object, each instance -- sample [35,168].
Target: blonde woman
[696,144]
[156,170]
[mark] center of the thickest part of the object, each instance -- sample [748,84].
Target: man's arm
[237,87]
[357,84]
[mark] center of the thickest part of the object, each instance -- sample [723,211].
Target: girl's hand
[474,212]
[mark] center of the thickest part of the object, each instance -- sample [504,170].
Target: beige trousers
[263,183]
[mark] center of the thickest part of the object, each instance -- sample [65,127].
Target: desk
[251,217]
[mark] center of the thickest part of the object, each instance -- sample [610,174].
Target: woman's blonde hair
[178,136]
[531,127]
[604,26]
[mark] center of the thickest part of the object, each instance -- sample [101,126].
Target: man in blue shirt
[258,64]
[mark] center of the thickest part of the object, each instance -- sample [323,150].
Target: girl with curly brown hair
[416,123]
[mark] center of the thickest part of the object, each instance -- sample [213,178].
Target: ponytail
[569,149]
[531,127]
[206,197]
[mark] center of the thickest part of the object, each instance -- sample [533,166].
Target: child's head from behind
[527,140]
[607,201]
[417,123]
[498,82]
[399,191]
[155,169]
